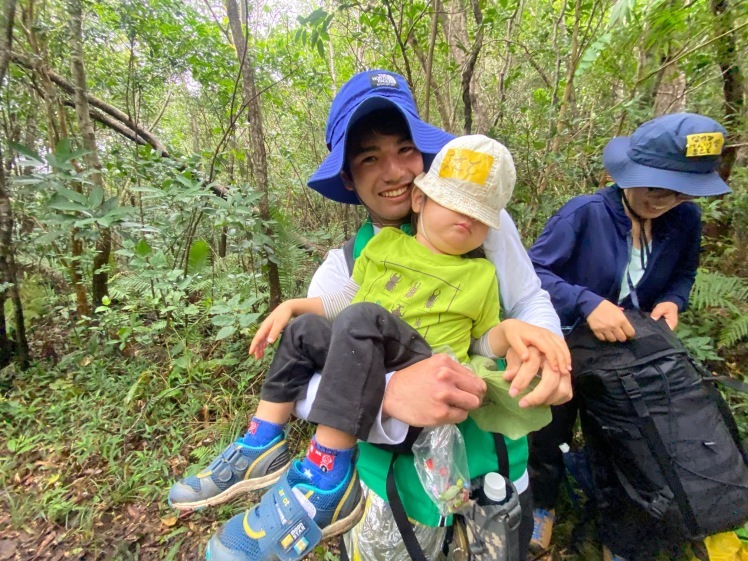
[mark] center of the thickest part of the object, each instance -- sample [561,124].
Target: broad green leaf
[621,12]
[28,152]
[142,248]
[49,237]
[69,206]
[72,195]
[95,197]
[222,321]
[227,331]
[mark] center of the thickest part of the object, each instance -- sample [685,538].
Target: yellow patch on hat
[466,165]
[704,144]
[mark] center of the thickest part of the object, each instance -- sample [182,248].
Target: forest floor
[92,439]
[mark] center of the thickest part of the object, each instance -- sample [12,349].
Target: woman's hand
[609,323]
[667,310]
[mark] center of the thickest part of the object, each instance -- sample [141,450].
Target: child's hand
[270,329]
[519,335]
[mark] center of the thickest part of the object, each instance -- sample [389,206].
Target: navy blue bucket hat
[362,94]
[679,152]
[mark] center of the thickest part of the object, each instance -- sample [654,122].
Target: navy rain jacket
[582,254]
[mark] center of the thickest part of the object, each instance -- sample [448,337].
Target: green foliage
[159,379]
[718,308]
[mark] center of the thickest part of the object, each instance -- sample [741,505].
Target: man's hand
[520,336]
[435,391]
[554,387]
[667,310]
[609,323]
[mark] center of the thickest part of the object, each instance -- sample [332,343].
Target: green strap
[366,232]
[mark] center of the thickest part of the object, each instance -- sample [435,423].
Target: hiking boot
[238,469]
[542,529]
[608,555]
[291,519]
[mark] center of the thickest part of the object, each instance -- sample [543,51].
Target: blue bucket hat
[679,152]
[362,94]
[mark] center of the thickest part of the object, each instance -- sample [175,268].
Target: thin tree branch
[121,116]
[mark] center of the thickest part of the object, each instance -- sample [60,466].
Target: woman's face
[652,202]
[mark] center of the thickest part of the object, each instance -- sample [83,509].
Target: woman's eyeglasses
[667,194]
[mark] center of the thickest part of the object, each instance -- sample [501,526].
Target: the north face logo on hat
[383,80]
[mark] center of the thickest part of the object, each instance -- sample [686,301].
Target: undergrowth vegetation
[158,382]
[153,380]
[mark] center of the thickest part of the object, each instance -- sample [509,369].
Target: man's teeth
[394,192]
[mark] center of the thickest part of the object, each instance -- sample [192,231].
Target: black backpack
[657,428]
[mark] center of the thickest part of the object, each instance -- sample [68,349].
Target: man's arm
[523,298]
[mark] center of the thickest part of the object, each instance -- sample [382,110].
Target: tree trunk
[8,272]
[257,156]
[454,23]
[430,58]
[571,68]
[442,103]
[100,276]
[733,84]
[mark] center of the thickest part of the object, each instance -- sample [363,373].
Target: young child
[406,295]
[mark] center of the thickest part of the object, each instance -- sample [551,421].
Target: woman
[634,244]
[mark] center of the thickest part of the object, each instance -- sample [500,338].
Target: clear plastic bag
[376,536]
[441,464]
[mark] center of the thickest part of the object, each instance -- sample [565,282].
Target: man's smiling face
[382,168]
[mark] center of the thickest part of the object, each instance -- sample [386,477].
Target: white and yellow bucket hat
[473,175]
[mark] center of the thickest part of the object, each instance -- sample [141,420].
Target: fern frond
[714,290]
[125,285]
[735,331]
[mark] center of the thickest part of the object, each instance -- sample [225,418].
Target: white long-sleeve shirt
[521,298]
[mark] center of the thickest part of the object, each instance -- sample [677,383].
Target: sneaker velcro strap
[281,526]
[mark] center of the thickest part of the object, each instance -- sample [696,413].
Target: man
[378,145]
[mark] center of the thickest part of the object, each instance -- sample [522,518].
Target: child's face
[446,231]
[382,170]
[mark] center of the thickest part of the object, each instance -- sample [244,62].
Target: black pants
[546,463]
[526,522]
[353,353]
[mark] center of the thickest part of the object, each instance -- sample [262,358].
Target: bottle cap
[494,487]
[564,448]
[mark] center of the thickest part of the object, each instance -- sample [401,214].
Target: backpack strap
[502,454]
[398,510]
[657,448]
[348,252]
[401,518]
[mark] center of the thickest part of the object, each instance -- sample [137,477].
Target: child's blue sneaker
[238,469]
[292,517]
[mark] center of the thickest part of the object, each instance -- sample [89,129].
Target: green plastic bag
[500,412]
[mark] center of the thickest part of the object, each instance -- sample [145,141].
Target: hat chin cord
[643,241]
[422,226]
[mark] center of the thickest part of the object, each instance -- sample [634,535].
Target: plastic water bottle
[494,490]
[493,521]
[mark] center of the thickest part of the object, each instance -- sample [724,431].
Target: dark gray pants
[353,354]
[546,463]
